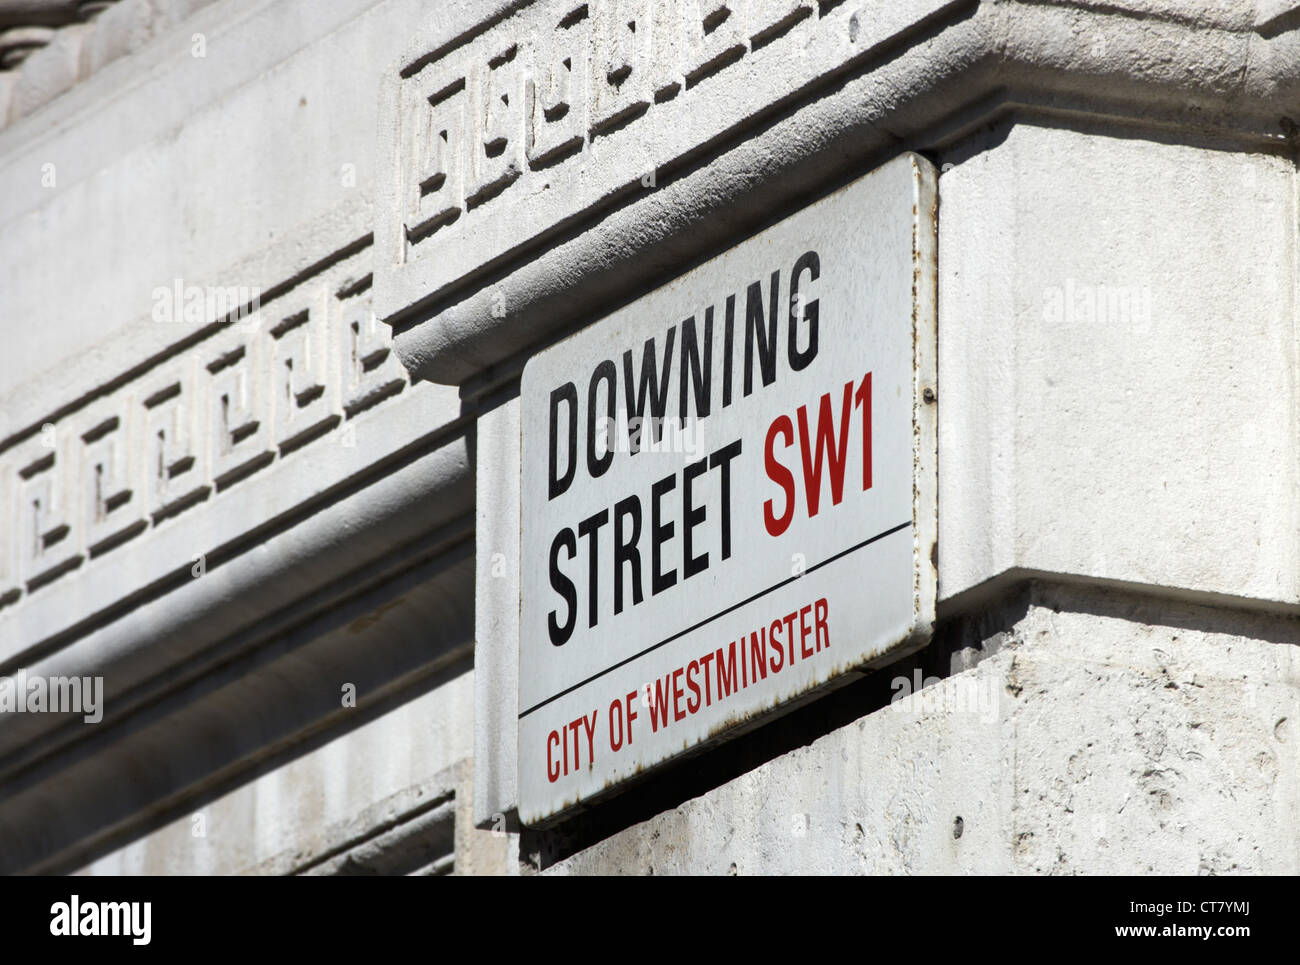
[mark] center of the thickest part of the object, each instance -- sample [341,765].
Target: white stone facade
[269,272]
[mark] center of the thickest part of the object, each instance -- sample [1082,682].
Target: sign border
[925,517]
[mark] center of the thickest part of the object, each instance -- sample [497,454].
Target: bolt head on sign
[678,454]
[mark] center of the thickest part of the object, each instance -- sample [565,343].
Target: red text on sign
[824,448]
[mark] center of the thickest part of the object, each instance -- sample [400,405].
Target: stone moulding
[554,163]
[241,389]
[540,167]
[211,494]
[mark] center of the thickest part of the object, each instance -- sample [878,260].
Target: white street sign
[728,491]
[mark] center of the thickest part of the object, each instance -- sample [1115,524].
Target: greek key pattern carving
[534,91]
[261,381]
[513,129]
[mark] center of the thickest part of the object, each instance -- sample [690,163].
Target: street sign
[728,492]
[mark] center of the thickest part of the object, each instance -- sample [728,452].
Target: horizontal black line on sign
[721,613]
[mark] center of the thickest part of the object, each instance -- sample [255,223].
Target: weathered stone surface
[331,810]
[1109,734]
[230,519]
[49,70]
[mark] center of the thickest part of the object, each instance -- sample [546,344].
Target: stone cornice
[246,497]
[482,259]
[49,46]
